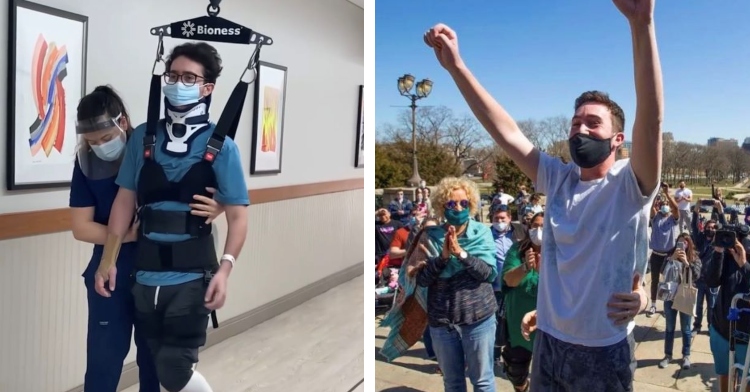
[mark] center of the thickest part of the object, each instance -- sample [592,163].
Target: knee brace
[517,369]
[174,366]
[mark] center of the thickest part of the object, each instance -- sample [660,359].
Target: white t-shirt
[595,238]
[684,204]
[503,198]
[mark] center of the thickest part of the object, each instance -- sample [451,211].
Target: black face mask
[587,151]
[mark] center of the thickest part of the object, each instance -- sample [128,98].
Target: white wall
[320,41]
[43,298]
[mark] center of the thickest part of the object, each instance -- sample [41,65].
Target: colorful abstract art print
[359,146]
[268,118]
[47,76]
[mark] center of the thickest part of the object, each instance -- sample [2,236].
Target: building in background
[746,145]
[721,142]
[624,150]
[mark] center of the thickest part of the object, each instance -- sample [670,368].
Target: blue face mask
[456,218]
[665,210]
[109,151]
[179,94]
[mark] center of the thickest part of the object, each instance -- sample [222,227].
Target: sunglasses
[452,204]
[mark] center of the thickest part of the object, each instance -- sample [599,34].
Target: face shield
[101,146]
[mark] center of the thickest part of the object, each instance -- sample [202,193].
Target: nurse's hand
[207,207]
[103,276]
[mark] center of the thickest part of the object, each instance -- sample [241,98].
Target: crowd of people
[551,294]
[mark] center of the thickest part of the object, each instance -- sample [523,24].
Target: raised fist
[641,11]
[444,42]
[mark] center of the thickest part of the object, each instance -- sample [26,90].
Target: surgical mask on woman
[457,218]
[664,209]
[111,150]
[535,235]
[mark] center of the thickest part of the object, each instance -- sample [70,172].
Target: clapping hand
[450,244]
[532,259]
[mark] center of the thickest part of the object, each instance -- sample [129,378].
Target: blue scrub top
[100,194]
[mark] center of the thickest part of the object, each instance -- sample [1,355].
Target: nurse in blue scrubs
[103,127]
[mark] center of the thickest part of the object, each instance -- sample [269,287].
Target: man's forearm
[493,117]
[648,80]
[487,110]
[236,230]
[649,105]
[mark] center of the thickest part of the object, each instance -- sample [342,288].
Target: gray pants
[686,217]
[558,366]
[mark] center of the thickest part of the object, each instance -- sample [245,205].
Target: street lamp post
[423,89]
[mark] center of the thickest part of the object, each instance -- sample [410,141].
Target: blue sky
[536,57]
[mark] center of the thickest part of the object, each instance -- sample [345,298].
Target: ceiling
[358,3]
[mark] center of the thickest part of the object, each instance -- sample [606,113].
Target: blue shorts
[720,350]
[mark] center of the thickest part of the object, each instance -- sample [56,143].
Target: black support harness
[197,254]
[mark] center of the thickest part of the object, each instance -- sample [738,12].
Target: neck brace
[184,122]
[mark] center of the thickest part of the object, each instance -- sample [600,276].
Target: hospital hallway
[315,347]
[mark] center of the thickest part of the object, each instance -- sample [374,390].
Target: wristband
[228,258]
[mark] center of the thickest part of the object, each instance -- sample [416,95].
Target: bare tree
[463,139]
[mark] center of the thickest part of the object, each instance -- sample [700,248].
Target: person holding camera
[665,217]
[703,245]
[690,268]
[729,270]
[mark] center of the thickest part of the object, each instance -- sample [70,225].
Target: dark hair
[104,100]
[618,116]
[203,54]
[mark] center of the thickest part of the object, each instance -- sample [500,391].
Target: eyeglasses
[187,79]
[451,204]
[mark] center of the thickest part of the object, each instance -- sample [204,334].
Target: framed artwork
[359,148]
[46,79]
[268,119]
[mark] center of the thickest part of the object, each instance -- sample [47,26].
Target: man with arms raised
[595,231]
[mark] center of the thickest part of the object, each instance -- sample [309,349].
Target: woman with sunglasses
[461,303]
[103,127]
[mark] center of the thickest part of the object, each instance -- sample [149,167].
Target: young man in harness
[178,280]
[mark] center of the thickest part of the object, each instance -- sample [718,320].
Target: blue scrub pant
[110,327]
